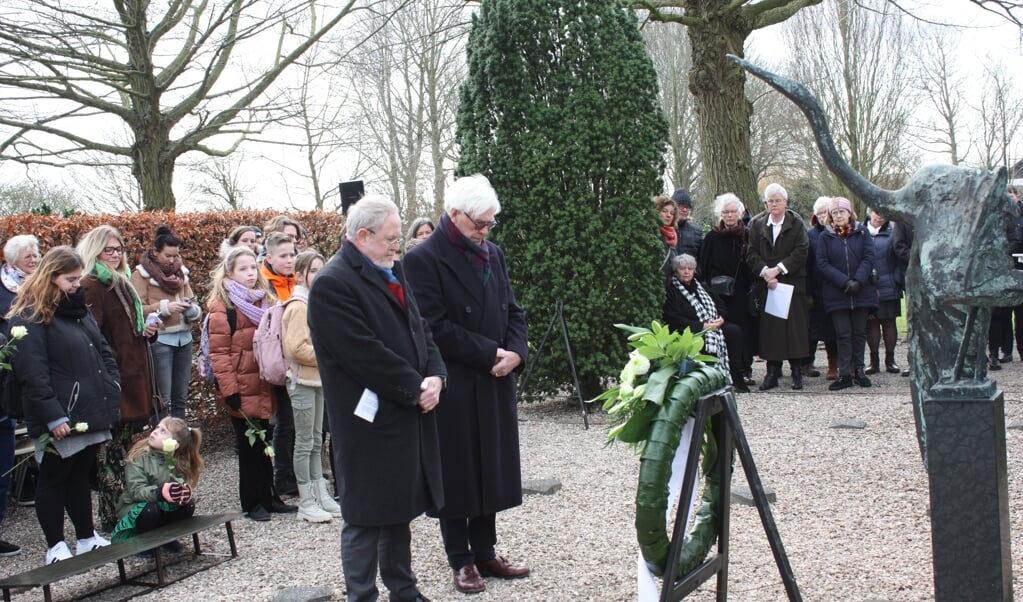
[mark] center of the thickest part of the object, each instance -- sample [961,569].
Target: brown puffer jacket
[235,366]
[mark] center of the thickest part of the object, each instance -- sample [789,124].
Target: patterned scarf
[844,231]
[170,278]
[125,293]
[11,277]
[242,297]
[706,310]
[477,256]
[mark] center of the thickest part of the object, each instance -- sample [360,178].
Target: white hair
[822,201]
[775,188]
[16,245]
[369,213]
[472,195]
[722,201]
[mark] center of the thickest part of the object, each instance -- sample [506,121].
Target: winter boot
[874,361]
[797,375]
[325,499]
[308,508]
[832,368]
[771,378]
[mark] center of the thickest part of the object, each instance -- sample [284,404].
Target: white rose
[170,446]
[18,332]
[82,427]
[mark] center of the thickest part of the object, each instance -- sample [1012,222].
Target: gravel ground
[851,509]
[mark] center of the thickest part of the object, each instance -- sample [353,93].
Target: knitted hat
[840,202]
[681,197]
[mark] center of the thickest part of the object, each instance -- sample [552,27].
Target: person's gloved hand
[184,494]
[234,402]
[167,492]
[852,287]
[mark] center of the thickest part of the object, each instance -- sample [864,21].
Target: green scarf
[123,288]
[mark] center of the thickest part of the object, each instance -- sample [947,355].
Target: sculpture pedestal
[966,466]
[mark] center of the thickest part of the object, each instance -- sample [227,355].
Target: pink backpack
[268,345]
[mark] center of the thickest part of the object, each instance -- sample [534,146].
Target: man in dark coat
[778,248]
[690,234]
[462,285]
[382,377]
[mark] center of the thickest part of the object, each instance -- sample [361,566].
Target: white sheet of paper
[367,406]
[779,299]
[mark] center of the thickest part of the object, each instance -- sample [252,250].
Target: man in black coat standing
[461,282]
[382,377]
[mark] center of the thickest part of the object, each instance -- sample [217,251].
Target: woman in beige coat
[316,504]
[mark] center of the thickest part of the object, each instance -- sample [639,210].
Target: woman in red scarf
[162,285]
[666,210]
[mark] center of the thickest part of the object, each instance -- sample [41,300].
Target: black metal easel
[559,316]
[720,407]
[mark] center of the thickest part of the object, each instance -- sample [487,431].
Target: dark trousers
[364,548]
[999,330]
[152,517]
[64,485]
[851,337]
[1017,312]
[733,341]
[6,461]
[469,540]
[284,437]
[255,472]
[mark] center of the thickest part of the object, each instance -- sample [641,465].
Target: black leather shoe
[770,382]
[797,378]
[993,363]
[842,382]
[809,370]
[892,368]
[279,507]
[740,387]
[1007,358]
[873,369]
[861,378]
[259,514]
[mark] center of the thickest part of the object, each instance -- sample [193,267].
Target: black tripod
[559,316]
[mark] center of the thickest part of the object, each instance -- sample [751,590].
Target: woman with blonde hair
[118,310]
[70,387]
[239,295]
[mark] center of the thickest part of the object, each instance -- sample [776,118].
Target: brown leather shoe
[468,580]
[500,567]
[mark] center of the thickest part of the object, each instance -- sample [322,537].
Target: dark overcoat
[781,339]
[116,321]
[478,415]
[363,338]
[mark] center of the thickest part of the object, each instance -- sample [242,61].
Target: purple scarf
[477,256]
[243,298]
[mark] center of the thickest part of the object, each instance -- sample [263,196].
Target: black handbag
[723,285]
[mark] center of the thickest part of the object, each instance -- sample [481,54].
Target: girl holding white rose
[160,480]
[70,387]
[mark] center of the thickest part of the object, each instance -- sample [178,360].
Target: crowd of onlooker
[772,285]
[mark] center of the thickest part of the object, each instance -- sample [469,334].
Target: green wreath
[657,392]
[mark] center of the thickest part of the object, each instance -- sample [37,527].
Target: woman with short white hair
[723,270]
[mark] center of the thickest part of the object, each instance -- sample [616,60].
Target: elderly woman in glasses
[690,305]
[461,282]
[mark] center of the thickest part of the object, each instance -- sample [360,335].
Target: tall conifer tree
[560,111]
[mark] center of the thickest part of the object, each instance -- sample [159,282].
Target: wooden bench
[117,552]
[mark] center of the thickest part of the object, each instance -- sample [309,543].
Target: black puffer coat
[66,369]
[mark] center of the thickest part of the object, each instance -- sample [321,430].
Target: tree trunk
[722,109]
[153,168]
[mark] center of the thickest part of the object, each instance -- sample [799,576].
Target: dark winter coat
[679,313]
[131,349]
[234,364]
[66,369]
[723,254]
[690,239]
[477,415]
[364,339]
[841,259]
[889,276]
[781,339]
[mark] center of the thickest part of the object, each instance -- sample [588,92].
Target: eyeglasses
[390,242]
[481,225]
[113,250]
[774,201]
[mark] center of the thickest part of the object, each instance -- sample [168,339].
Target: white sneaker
[57,553]
[89,544]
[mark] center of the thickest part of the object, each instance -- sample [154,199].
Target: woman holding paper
[778,248]
[845,261]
